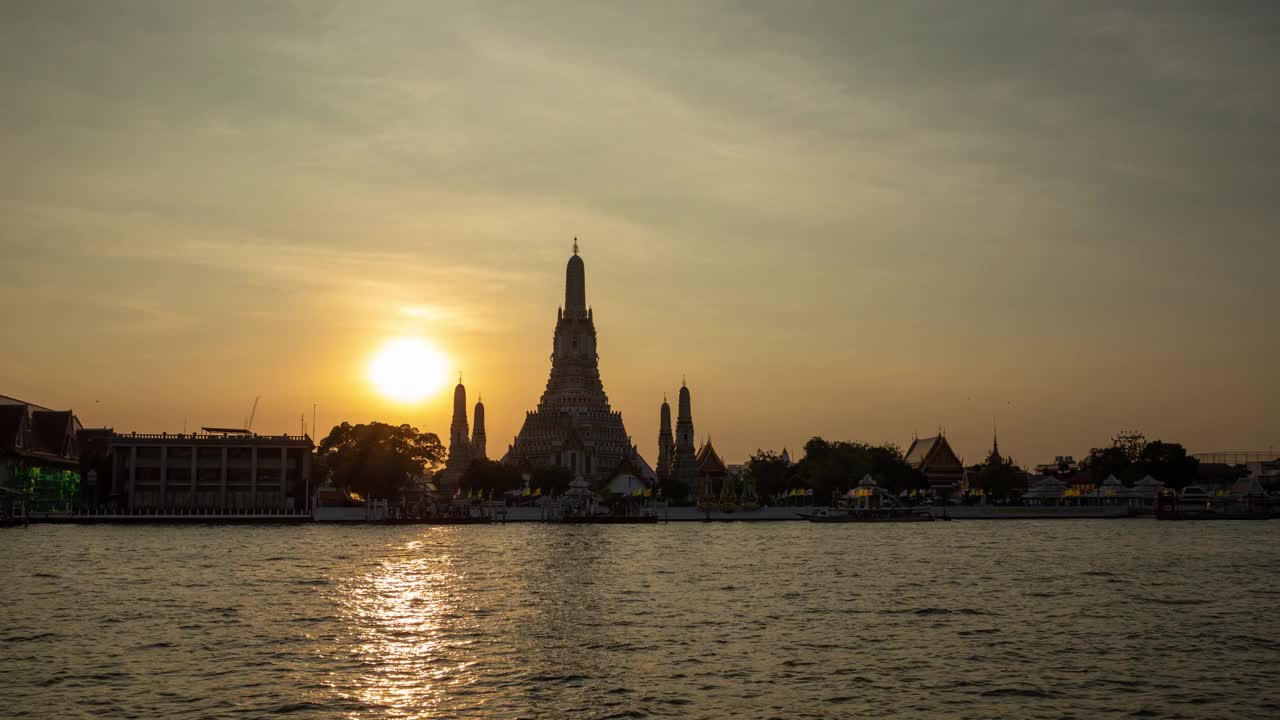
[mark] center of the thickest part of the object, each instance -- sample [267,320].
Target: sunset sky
[855,220]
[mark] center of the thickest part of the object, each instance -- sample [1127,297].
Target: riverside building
[40,454]
[214,470]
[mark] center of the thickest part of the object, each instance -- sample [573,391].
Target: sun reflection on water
[399,619]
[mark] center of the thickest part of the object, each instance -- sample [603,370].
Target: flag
[537,492]
[648,492]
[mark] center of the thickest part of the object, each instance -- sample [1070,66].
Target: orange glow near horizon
[408,370]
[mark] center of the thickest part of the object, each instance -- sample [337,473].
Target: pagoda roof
[708,460]
[931,451]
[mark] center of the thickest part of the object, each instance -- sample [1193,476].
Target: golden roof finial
[575,246]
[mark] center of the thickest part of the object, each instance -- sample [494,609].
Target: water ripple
[1010,619]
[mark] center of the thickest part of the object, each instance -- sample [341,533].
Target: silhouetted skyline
[849,220]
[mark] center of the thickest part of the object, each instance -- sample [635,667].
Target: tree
[1104,462]
[377,460]
[1131,443]
[490,476]
[1169,463]
[889,467]
[1131,456]
[832,467]
[552,479]
[769,472]
[999,478]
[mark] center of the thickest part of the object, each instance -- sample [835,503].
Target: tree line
[379,460]
[833,467]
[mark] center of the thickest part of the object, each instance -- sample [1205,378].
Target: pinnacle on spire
[575,245]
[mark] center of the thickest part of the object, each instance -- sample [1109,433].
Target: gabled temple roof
[709,462]
[628,466]
[931,451]
[646,470]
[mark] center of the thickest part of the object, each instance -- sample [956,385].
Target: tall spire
[575,285]
[666,442]
[477,432]
[684,466]
[459,441]
[460,402]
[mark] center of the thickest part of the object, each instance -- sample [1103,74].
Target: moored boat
[1245,501]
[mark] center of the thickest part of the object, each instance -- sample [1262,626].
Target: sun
[408,370]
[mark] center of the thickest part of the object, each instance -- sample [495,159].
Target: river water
[1019,619]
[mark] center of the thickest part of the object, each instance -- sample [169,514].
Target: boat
[868,515]
[1245,501]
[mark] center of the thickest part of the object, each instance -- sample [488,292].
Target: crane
[248,423]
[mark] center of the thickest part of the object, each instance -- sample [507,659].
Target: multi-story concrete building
[213,470]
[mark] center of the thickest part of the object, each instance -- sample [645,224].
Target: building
[40,454]
[630,479]
[684,464]
[573,425]
[666,443]
[939,464]
[479,442]
[465,444]
[214,470]
[715,486]
[1062,466]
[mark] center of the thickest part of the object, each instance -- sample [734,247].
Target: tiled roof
[49,431]
[709,462]
[10,421]
[919,449]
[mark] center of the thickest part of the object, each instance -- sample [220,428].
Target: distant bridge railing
[208,436]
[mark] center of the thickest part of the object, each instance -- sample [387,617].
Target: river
[1020,619]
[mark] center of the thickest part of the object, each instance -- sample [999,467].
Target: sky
[855,220]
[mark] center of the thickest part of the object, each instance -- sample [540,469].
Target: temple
[713,475]
[666,443]
[684,466]
[573,425]
[464,446]
[935,459]
[478,442]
